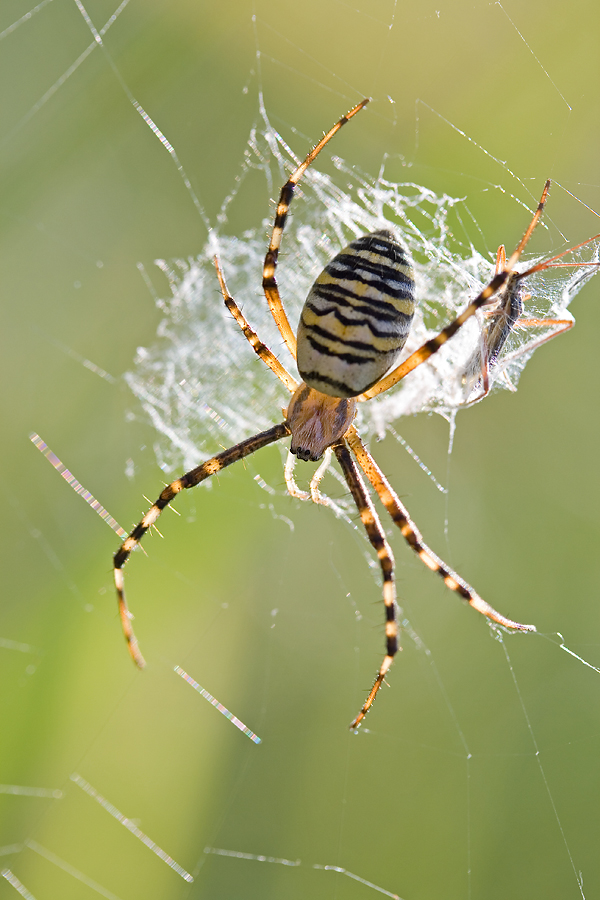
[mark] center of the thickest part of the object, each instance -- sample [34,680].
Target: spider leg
[257,345]
[412,536]
[376,535]
[433,345]
[552,264]
[190,479]
[530,229]
[285,198]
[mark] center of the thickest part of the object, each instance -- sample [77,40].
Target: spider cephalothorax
[317,421]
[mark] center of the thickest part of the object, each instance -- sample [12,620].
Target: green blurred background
[443,794]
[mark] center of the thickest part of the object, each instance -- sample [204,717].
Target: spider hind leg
[376,536]
[411,534]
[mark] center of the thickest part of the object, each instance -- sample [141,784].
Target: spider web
[198,398]
[124,128]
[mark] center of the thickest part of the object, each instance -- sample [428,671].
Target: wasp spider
[354,323]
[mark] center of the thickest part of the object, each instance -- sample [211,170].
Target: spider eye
[305,454]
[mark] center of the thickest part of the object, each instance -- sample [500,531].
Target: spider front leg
[270,288]
[376,535]
[483,298]
[190,479]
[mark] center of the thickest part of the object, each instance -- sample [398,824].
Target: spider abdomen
[357,316]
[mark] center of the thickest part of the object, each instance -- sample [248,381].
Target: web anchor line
[130,826]
[60,467]
[219,706]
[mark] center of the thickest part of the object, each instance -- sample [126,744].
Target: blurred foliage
[284,625]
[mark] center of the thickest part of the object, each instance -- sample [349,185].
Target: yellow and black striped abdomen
[357,316]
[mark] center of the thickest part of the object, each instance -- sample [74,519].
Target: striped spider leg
[286,195]
[401,517]
[190,479]
[483,299]
[200,473]
[504,314]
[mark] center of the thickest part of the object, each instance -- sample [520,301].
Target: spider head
[317,421]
